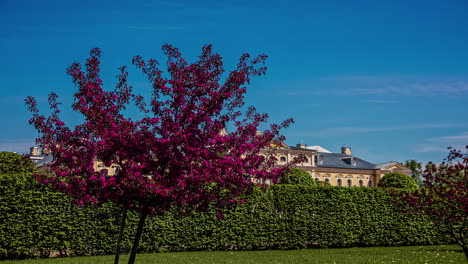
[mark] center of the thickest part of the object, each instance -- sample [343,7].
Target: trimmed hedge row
[37,222]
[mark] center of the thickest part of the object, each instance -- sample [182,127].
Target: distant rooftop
[40,160]
[318,149]
[340,160]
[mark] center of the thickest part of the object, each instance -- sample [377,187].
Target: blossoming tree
[443,197]
[177,153]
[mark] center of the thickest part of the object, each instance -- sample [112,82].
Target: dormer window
[318,159]
[283,159]
[350,160]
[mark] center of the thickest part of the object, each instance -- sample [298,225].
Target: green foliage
[14,163]
[298,177]
[397,180]
[416,170]
[35,221]
[323,183]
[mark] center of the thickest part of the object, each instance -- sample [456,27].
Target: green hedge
[37,222]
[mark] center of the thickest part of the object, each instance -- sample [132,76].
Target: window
[306,160]
[349,182]
[318,159]
[115,169]
[349,160]
[283,159]
[361,183]
[317,179]
[327,180]
[339,182]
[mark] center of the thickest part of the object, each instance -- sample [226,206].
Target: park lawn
[414,254]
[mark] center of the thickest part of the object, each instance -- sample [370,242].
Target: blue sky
[387,78]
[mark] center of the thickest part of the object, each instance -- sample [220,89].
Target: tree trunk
[136,241]
[123,220]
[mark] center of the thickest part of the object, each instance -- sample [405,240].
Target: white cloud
[387,85]
[345,130]
[440,144]
[382,101]
[458,138]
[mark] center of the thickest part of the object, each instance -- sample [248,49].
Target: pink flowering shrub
[443,197]
[174,155]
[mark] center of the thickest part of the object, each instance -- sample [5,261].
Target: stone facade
[338,169]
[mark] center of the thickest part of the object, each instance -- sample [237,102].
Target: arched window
[349,182]
[327,180]
[370,183]
[361,183]
[339,182]
[283,159]
[317,179]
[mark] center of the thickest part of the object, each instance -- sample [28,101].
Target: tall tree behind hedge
[176,154]
[416,170]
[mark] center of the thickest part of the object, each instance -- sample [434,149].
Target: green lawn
[421,254]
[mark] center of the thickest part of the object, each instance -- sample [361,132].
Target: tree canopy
[298,177]
[397,180]
[178,153]
[416,170]
[443,197]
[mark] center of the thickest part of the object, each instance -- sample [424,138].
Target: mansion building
[338,169]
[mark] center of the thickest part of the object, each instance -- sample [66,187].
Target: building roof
[318,149]
[40,160]
[340,160]
[388,164]
[394,166]
[303,149]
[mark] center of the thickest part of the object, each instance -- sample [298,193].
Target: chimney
[34,151]
[346,150]
[301,145]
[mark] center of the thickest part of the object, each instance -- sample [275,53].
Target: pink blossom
[173,156]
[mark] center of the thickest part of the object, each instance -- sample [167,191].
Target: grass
[415,254]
